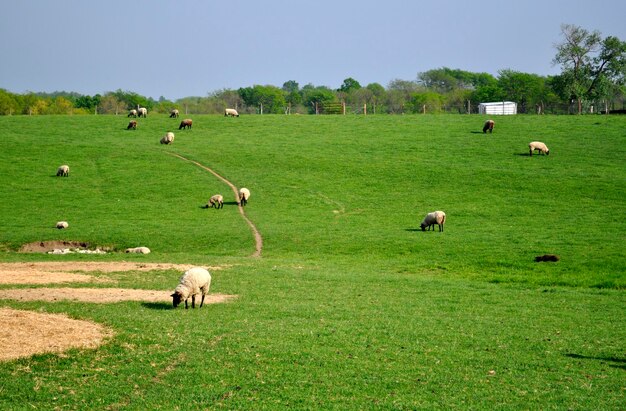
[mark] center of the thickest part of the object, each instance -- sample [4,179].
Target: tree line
[592,80]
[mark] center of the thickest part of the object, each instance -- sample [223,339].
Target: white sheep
[174,113]
[216,201]
[138,250]
[230,112]
[196,280]
[62,225]
[436,217]
[132,113]
[142,112]
[168,138]
[539,146]
[63,171]
[244,195]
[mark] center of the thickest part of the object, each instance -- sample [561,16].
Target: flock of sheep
[197,280]
[439,217]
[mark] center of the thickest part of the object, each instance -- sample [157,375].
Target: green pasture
[351,305]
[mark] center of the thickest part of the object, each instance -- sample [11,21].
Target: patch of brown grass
[25,333]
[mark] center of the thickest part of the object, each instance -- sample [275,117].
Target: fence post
[365,109]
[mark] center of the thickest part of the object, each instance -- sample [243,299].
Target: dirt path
[257,236]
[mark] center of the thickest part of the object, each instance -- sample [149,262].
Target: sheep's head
[423,226]
[177,298]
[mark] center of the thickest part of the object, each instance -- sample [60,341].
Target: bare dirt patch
[25,333]
[99,295]
[64,272]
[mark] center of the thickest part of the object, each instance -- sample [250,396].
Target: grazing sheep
[488,126]
[168,138]
[185,123]
[174,113]
[142,112]
[231,112]
[436,217]
[63,171]
[132,113]
[216,201]
[138,250]
[132,124]
[547,257]
[244,195]
[196,280]
[539,146]
[62,224]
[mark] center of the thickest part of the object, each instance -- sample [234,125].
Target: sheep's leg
[186,306]
[193,301]
[202,302]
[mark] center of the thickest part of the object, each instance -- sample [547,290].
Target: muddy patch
[25,333]
[47,246]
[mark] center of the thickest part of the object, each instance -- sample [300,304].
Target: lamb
[196,280]
[174,113]
[62,225]
[132,113]
[244,195]
[230,112]
[488,126]
[539,146]
[185,123]
[142,112]
[216,201]
[138,250]
[63,171]
[436,217]
[168,138]
[132,124]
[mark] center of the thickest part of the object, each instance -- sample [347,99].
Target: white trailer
[498,108]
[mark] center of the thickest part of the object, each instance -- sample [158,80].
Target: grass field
[351,306]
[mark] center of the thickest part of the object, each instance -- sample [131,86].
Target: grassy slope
[350,306]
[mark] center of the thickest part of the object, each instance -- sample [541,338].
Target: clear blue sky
[193,47]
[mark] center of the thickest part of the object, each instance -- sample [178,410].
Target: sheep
[62,225]
[168,138]
[142,112]
[132,113]
[216,201]
[174,113]
[63,171]
[196,280]
[185,123]
[547,257]
[230,112]
[539,146]
[244,195]
[138,250]
[132,124]
[488,126]
[436,217]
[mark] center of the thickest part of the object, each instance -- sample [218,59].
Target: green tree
[524,88]
[349,85]
[590,65]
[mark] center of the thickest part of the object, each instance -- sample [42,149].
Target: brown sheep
[488,126]
[185,123]
[132,124]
